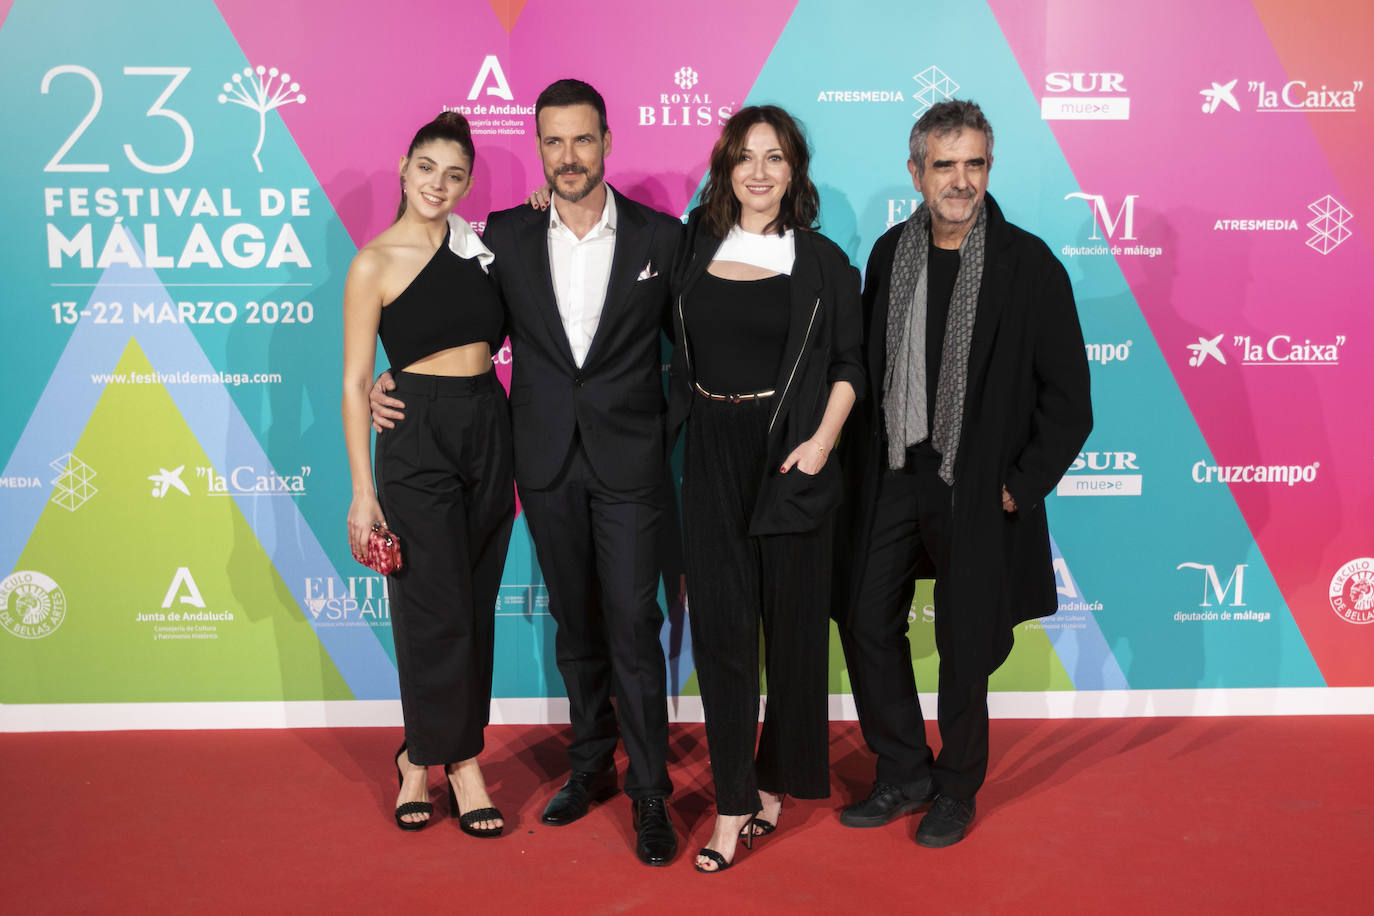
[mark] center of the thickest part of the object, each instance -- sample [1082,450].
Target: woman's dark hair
[800,200]
[449,125]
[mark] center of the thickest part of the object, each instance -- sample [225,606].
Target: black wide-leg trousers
[733,582]
[598,548]
[444,481]
[912,521]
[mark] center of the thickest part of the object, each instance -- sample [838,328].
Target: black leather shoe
[577,795]
[656,841]
[884,804]
[946,822]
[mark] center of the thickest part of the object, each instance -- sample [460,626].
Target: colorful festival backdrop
[185,182]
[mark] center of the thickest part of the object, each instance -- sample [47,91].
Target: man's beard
[593,180]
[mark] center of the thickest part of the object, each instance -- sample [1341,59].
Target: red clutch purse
[383,550]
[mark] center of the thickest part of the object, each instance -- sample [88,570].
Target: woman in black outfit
[766,371]
[443,475]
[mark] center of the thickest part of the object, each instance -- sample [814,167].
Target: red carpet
[1078,816]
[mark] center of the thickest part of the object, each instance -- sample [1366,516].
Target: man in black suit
[585,285]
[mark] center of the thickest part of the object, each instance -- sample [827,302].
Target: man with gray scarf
[984,402]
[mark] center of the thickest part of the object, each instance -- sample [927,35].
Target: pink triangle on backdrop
[375,76]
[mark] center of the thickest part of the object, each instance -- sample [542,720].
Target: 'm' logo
[1124,218]
[1212,587]
[183,580]
[491,69]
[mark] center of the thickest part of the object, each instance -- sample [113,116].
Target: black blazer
[615,400]
[823,347]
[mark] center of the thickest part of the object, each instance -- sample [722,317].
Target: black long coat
[1027,412]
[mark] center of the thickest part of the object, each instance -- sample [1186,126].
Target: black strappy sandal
[475,816]
[757,826]
[411,807]
[719,859]
[715,857]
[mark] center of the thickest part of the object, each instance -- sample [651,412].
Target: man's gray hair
[943,119]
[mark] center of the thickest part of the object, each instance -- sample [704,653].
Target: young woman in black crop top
[443,477]
[765,371]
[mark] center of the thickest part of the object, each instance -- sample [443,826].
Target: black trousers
[599,552]
[912,521]
[444,480]
[733,582]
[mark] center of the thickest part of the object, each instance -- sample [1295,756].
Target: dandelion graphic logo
[263,89]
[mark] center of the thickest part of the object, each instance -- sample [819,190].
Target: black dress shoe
[885,803]
[656,841]
[577,794]
[946,822]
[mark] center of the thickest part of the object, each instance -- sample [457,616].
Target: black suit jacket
[615,399]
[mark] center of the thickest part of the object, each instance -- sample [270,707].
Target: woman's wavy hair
[800,200]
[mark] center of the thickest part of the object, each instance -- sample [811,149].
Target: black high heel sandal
[412,807]
[757,826]
[467,822]
[708,853]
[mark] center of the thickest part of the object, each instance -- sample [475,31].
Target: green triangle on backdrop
[119,553]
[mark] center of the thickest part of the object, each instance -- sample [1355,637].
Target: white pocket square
[648,273]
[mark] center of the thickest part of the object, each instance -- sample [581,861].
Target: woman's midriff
[469,359]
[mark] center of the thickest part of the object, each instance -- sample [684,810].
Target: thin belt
[734,398]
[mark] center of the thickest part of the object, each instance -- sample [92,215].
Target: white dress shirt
[581,271]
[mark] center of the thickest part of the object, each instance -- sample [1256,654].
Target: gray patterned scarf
[904,398]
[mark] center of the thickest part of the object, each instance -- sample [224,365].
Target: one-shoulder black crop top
[451,302]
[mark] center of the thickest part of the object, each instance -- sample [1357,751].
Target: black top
[943,267]
[737,330]
[451,302]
